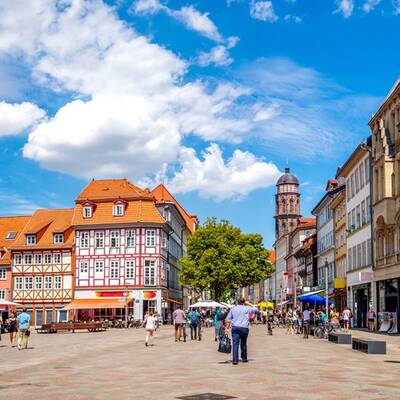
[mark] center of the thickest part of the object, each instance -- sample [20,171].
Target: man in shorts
[306,322]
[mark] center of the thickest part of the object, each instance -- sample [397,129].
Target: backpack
[194,318]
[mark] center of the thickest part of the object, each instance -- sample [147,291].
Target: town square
[199,200]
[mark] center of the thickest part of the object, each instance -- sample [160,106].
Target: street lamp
[326,290]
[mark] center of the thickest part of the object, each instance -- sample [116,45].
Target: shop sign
[340,283]
[149,294]
[110,294]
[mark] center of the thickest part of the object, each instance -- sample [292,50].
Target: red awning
[169,300]
[86,304]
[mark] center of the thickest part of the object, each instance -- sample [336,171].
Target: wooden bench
[369,346]
[339,338]
[55,327]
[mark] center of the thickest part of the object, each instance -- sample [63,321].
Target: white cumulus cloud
[369,5]
[215,178]
[263,10]
[147,6]
[17,118]
[345,7]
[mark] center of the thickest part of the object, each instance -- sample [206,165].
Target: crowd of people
[17,325]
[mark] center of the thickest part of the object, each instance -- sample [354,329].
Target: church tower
[287,201]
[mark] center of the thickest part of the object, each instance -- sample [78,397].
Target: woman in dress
[12,329]
[151,326]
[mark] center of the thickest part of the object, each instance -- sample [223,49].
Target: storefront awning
[311,293]
[169,300]
[86,304]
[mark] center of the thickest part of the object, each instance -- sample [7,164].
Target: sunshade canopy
[8,303]
[314,299]
[87,304]
[207,304]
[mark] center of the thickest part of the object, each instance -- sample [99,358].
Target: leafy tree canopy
[221,258]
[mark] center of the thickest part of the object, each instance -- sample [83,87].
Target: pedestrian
[179,317]
[12,329]
[289,322]
[306,322]
[295,320]
[151,327]
[238,319]
[23,324]
[194,322]
[371,319]
[218,318]
[346,319]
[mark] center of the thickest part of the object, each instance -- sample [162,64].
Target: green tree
[221,258]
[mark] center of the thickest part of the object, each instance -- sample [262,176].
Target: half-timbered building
[123,243]
[10,227]
[42,265]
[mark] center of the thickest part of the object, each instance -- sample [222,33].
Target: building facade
[42,265]
[339,239]
[126,252]
[325,235]
[356,171]
[10,228]
[385,129]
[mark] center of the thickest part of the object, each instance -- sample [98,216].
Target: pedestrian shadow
[392,361]
[230,361]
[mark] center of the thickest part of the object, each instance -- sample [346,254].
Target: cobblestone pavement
[116,365]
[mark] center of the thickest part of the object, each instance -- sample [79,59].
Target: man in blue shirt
[238,319]
[24,321]
[195,324]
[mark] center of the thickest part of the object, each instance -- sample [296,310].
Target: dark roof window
[11,235]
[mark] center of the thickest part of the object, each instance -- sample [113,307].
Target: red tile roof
[162,194]
[7,225]
[44,223]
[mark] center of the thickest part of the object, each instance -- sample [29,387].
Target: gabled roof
[162,195]
[112,189]
[8,225]
[136,211]
[45,223]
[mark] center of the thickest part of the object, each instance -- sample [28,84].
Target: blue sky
[210,97]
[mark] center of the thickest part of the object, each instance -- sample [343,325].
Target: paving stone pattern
[116,365]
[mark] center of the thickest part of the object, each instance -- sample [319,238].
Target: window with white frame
[99,239]
[57,282]
[2,294]
[58,238]
[164,240]
[130,238]
[114,239]
[28,258]
[47,258]
[30,240]
[18,259]
[39,282]
[150,237]
[48,282]
[149,273]
[83,267]
[114,269]
[28,282]
[18,283]
[99,267]
[118,210]
[84,240]
[130,269]
[87,212]
[38,258]
[57,258]
[3,274]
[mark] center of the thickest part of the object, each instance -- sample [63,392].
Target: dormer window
[87,212]
[118,210]
[30,240]
[58,238]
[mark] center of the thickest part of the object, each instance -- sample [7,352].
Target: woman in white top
[346,315]
[151,326]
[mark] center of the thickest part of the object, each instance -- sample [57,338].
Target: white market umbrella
[207,304]
[8,303]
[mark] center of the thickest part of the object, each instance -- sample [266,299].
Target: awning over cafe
[169,300]
[87,304]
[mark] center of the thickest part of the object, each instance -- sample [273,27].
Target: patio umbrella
[8,303]
[314,299]
[207,304]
